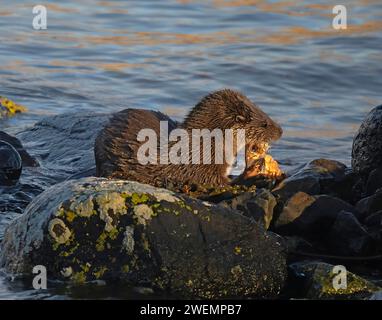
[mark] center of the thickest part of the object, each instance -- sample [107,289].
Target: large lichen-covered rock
[98,229]
[316,280]
[9,108]
[367,144]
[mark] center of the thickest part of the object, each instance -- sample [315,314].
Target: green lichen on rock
[97,229]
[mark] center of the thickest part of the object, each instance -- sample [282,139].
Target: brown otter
[116,146]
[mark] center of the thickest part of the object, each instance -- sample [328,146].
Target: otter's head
[229,109]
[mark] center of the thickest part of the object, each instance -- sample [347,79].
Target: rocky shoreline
[255,241]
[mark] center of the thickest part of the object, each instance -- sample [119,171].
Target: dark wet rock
[367,144]
[99,229]
[373,223]
[293,208]
[257,205]
[316,282]
[345,187]
[370,205]
[310,217]
[313,178]
[374,181]
[348,237]
[10,164]
[376,296]
[294,244]
[64,143]
[292,185]
[374,219]
[27,159]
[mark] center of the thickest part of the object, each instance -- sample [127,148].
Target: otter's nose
[279,131]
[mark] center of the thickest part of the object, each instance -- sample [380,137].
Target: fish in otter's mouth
[259,163]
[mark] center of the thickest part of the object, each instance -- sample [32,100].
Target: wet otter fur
[116,146]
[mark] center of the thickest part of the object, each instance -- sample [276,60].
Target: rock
[256,205]
[28,161]
[374,181]
[317,282]
[376,296]
[370,205]
[64,144]
[373,224]
[10,164]
[348,237]
[294,207]
[310,217]
[292,185]
[99,229]
[345,187]
[9,108]
[295,244]
[311,177]
[367,144]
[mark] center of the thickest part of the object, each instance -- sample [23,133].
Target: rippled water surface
[103,56]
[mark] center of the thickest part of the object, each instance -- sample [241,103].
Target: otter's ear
[240,118]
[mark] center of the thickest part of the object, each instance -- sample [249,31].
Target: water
[103,56]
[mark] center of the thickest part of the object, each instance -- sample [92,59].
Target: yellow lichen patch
[100,243]
[59,231]
[110,204]
[237,271]
[70,215]
[66,272]
[101,271]
[145,243]
[11,107]
[83,208]
[143,213]
[189,283]
[128,240]
[137,199]
[237,250]
[165,196]
[79,277]
[86,267]
[125,268]
[70,251]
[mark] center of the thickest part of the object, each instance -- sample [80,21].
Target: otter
[116,145]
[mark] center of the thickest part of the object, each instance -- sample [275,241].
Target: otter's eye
[240,118]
